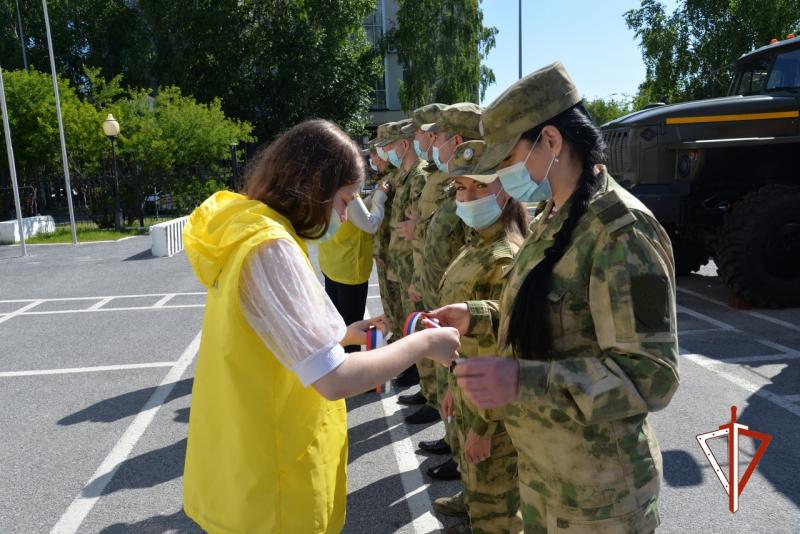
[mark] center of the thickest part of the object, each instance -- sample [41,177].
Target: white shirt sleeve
[288,308]
[367,220]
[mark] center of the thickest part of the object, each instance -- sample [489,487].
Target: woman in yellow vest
[346,258]
[266,453]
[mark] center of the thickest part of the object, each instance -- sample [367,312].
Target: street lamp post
[234,166]
[111,129]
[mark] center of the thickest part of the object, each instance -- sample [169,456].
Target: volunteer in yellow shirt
[266,453]
[346,258]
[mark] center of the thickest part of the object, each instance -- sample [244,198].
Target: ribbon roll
[375,338]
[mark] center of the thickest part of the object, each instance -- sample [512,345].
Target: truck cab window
[785,72]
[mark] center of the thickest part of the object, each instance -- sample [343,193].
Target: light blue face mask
[394,159]
[381,153]
[421,154]
[480,213]
[333,226]
[372,165]
[441,166]
[519,183]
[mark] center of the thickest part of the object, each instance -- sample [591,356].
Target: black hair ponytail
[529,332]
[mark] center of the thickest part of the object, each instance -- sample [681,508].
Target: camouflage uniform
[491,487]
[588,458]
[380,243]
[491,490]
[399,259]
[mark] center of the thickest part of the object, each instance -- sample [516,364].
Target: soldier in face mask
[409,180]
[497,227]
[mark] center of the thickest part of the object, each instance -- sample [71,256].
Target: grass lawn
[64,235]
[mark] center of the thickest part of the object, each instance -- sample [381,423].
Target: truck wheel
[759,247]
[689,255]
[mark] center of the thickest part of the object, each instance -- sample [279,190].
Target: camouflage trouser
[393,307]
[450,429]
[425,367]
[541,516]
[491,488]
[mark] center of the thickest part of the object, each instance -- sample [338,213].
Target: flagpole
[12,168]
[60,124]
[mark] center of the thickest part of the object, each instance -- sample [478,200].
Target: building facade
[385,98]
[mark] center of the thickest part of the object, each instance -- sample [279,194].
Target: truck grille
[617,143]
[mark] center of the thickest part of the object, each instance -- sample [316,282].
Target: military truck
[723,174]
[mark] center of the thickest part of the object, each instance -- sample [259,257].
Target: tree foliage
[688,53]
[441,44]
[166,138]
[604,110]
[271,63]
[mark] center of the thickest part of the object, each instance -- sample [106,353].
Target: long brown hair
[299,173]
[515,220]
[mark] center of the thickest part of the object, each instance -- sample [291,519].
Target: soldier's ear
[552,139]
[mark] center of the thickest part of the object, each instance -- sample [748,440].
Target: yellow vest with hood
[347,257]
[264,453]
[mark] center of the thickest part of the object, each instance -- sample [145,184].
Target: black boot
[426,414]
[408,378]
[438,446]
[408,400]
[445,471]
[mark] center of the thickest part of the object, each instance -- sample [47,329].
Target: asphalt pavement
[97,346]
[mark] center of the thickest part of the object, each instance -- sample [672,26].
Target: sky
[589,36]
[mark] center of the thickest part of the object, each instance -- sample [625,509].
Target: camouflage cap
[393,132]
[427,114]
[465,160]
[539,96]
[463,118]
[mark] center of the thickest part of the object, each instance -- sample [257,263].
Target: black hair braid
[529,332]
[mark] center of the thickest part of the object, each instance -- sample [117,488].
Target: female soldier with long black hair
[586,320]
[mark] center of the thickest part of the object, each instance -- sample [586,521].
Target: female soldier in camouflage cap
[487,459]
[587,325]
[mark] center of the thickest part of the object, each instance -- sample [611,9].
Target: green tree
[271,63]
[441,44]
[688,53]
[167,139]
[604,110]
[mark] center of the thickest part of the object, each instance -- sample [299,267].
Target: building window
[374,27]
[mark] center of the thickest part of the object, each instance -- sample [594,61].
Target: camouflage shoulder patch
[650,295]
[612,211]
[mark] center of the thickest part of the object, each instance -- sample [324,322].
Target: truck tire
[759,247]
[689,255]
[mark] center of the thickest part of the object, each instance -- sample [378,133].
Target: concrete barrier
[41,224]
[167,238]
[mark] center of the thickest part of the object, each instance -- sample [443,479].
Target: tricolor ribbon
[375,338]
[410,325]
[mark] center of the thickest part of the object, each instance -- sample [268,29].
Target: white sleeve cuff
[320,363]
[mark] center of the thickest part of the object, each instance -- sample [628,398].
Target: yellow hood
[220,225]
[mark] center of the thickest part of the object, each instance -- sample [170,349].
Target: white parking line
[67,299]
[164,300]
[715,367]
[82,504]
[416,490]
[757,315]
[100,304]
[62,312]
[96,369]
[20,311]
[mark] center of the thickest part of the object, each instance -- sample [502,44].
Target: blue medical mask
[519,183]
[441,166]
[372,165]
[421,154]
[333,227]
[381,153]
[480,213]
[394,159]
